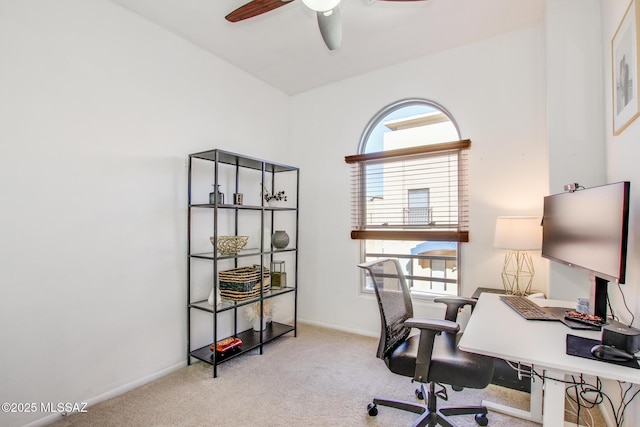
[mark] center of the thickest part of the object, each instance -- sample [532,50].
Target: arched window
[409,193]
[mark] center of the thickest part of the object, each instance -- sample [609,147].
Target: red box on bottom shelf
[226,344]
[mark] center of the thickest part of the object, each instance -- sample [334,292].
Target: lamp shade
[321,5]
[518,233]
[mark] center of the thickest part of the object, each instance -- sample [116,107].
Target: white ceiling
[284,47]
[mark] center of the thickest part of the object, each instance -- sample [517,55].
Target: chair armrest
[429,328]
[454,304]
[437,325]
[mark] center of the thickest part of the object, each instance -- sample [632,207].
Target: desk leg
[535,406]
[553,399]
[536,399]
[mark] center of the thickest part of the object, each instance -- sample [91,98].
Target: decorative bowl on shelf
[230,245]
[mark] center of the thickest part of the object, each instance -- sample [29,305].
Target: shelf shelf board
[226,305]
[241,254]
[213,255]
[275,251]
[234,159]
[250,341]
[243,207]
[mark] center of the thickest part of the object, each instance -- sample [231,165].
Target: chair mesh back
[394,301]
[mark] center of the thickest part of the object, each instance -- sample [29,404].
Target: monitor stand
[599,298]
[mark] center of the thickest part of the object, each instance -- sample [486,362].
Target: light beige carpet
[320,378]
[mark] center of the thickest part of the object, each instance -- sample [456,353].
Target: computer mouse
[606,352]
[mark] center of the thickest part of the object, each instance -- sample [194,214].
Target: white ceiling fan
[327,12]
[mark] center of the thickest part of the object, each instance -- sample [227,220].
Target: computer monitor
[588,229]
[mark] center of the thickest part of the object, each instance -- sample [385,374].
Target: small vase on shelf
[210,300]
[280,239]
[256,324]
[216,195]
[220,196]
[273,199]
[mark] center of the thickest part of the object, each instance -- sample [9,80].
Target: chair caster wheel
[419,394]
[481,419]
[373,409]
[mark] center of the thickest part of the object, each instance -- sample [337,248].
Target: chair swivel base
[430,416]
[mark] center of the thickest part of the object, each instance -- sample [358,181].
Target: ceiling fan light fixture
[321,5]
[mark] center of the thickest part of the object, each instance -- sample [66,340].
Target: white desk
[496,330]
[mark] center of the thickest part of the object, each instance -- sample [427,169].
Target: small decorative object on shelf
[210,300]
[220,196]
[278,275]
[253,314]
[212,197]
[273,199]
[280,239]
[241,284]
[237,198]
[226,344]
[230,245]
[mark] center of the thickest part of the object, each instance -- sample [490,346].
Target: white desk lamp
[518,234]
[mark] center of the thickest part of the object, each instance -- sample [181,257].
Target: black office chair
[431,357]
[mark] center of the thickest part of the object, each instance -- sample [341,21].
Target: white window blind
[416,193]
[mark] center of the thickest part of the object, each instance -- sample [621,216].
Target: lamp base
[517,273]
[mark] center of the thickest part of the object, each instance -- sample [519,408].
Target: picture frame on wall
[624,68]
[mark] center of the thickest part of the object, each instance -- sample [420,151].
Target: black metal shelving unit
[226,168]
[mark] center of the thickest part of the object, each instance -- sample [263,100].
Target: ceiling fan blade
[330,28]
[254,8]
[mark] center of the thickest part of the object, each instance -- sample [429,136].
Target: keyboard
[527,308]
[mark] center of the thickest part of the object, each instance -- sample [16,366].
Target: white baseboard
[111,393]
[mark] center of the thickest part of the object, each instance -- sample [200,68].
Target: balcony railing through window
[426,274]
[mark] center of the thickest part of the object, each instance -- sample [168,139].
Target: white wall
[495,91]
[622,152]
[98,112]
[575,109]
